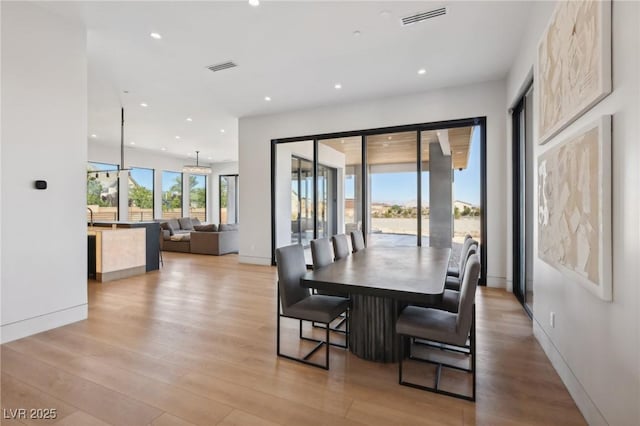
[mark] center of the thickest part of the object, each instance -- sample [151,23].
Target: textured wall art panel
[574,207]
[573,64]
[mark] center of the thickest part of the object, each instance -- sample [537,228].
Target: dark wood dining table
[381,281]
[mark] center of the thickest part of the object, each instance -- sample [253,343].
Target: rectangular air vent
[222,66]
[423,16]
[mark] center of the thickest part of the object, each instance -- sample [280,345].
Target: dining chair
[321,253]
[340,246]
[453,283]
[454,271]
[357,241]
[297,302]
[454,332]
[322,256]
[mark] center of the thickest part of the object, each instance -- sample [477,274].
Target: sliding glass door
[302,216]
[228,199]
[392,197]
[419,185]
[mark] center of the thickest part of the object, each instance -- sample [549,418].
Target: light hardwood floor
[195,344]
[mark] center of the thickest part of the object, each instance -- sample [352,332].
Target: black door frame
[447,124]
[517,199]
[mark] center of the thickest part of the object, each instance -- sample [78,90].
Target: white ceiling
[293,52]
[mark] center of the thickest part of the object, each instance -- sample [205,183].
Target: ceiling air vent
[423,16]
[222,66]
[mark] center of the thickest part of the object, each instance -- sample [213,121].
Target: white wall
[110,153]
[595,345]
[44,128]
[255,133]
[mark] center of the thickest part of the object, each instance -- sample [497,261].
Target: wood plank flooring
[194,344]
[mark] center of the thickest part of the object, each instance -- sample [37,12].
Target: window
[416,185]
[198,197]
[229,199]
[102,191]
[140,194]
[171,195]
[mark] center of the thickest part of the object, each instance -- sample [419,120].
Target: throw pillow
[206,228]
[195,221]
[186,224]
[173,226]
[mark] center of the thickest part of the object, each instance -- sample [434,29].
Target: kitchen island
[117,252]
[152,242]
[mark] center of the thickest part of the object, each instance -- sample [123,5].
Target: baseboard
[586,406]
[254,260]
[497,282]
[509,286]
[19,329]
[104,277]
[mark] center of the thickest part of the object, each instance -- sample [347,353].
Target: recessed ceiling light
[144,105]
[177,137]
[155,36]
[338,86]
[459,152]
[221,130]
[209,158]
[357,33]
[422,71]
[385,13]
[267,98]
[163,149]
[189,119]
[94,136]
[254,3]
[132,143]
[438,133]
[342,141]
[390,137]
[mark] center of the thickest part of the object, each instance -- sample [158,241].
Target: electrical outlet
[552,319]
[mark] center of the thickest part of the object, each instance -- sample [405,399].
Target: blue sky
[144,177]
[169,178]
[400,188]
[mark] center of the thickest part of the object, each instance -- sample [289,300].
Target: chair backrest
[464,253]
[467,236]
[467,295]
[321,252]
[340,246]
[291,267]
[357,241]
[473,249]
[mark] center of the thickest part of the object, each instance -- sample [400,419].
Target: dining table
[381,281]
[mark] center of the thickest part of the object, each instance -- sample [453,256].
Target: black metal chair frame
[336,329]
[469,350]
[327,342]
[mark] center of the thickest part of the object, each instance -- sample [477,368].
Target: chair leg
[319,343]
[347,336]
[402,343]
[278,321]
[473,351]
[328,344]
[439,366]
